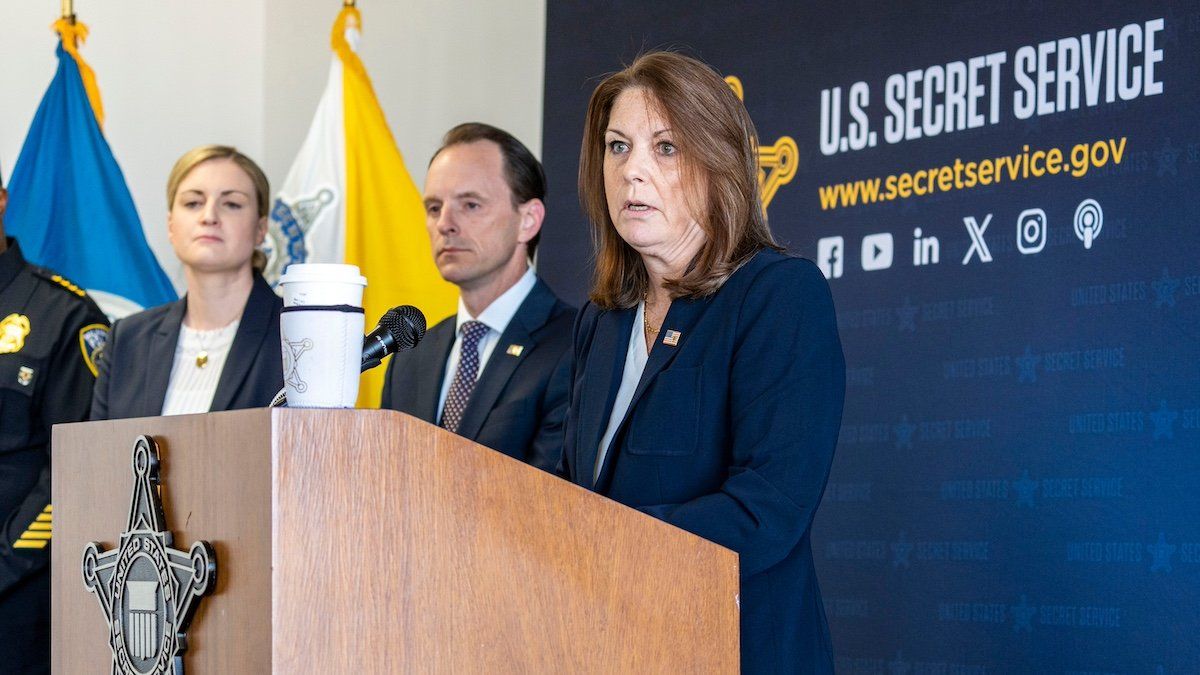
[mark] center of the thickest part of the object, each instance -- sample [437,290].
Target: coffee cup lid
[323,272]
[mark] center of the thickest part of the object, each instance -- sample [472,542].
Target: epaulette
[60,281]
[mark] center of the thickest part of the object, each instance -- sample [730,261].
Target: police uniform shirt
[50,335]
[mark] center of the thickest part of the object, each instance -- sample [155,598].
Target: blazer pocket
[18,380]
[667,418]
[512,411]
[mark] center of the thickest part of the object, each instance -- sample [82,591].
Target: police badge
[13,330]
[147,590]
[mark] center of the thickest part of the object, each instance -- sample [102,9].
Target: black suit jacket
[135,367]
[519,401]
[730,436]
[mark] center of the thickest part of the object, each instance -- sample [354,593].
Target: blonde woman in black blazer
[218,201]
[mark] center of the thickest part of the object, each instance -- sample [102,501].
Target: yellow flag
[385,218]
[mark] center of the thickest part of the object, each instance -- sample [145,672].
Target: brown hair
[719,150]
[197,156]
[522,171]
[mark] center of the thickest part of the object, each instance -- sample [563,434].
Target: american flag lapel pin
[671,338]
[515,350]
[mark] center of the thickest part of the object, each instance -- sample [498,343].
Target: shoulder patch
[92,339]
[60,281]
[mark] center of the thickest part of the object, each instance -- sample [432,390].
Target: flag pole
[68,10]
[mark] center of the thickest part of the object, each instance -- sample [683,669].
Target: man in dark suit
[497,371]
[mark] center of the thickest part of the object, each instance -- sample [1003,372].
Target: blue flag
[69,205]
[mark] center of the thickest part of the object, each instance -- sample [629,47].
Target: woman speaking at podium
[217,348]
[708,378]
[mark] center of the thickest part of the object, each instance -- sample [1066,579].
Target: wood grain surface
[367,541]
[216,486]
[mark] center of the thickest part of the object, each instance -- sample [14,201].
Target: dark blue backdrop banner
[1004,198]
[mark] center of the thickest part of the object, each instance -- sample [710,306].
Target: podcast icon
[1089,220]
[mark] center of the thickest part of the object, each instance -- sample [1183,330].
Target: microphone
[400,328]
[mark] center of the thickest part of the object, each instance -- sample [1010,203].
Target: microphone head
[406,325]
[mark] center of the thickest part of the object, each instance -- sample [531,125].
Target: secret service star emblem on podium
[147,590]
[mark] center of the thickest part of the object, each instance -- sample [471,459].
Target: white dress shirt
[191,388]
[635,362]
[496,317]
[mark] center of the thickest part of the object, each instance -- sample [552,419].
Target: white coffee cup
[322,355]
[322,284]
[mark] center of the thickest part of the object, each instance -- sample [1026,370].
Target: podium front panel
[401,547]
[216,486]
[369,541]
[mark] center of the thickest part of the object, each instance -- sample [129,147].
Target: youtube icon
[877,252]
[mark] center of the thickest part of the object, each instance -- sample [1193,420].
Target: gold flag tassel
[72,34]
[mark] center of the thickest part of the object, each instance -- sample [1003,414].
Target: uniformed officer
[50,335]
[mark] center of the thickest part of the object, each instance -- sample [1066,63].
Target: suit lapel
[533,313]
[159,360]
[606,363]
[681,318]
[430,370]
[254,326]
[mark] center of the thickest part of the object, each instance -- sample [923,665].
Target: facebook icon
[830,252]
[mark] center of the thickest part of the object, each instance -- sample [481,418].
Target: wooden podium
[366,541]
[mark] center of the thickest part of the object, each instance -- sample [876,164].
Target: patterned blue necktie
[464,379]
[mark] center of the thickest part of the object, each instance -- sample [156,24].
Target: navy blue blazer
[135,367]
[730,435]
[520,399]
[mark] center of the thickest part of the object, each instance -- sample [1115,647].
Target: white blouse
[199,358]
[635,362]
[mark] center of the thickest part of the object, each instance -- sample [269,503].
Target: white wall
[178,73]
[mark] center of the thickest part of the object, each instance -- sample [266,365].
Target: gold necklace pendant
[202,359]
